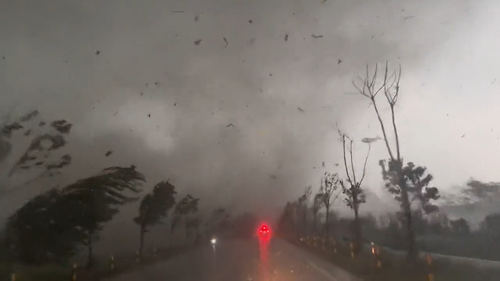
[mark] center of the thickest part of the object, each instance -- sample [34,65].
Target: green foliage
[287,220]
[42,230]
[154,206]
[415,184]
[186,208]
[54,225]
[245,225]
[98,198]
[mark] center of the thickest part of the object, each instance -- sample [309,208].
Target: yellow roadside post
[13,277]
[376,254]
[111,263]
[334,245]
[430,275]
[137,257]
[351,245]
[74,269]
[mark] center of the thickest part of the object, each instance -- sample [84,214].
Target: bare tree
[303,204]
[393,171]
[354,195]
[329,184]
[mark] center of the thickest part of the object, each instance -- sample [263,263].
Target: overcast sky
[161,102]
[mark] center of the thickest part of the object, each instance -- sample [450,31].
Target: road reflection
[264,241]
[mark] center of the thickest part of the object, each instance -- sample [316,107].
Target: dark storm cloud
[130,77]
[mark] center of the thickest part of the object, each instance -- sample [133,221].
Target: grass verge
[395,267]
[102,267]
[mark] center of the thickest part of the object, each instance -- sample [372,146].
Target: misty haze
[249,140]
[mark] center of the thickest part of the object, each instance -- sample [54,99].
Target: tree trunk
[172,228]
[327,223]
[304,218]
[412,249]
[357,230]
[141,243]
[315,216]
[89,254]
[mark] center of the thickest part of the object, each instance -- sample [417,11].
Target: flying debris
[339,61]
[463,136]
[300,109]
[230,125]
[97,53]
[273,177]
[109,153]
[286,37]
[197,42]
[370,140]
[323,164]
[225,41]
[316,36]
[149,115]
[196,18]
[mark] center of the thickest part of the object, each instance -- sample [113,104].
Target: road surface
[245,260]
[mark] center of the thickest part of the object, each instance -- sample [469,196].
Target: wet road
[245,260]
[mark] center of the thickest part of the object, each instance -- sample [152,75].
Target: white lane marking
[322,271]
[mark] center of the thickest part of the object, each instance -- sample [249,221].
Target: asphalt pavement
[242,259]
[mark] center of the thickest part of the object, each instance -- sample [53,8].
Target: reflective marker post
[430,275]
[73,272]
[376,254]
[111,263]
[137,257]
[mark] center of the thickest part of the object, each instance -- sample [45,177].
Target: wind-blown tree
[42,139]
[154,207]
[460,226]
[183,209]
[193,223]
[329,184]
[354,195]
[303,206]
[287,219]
[97,200]
[56,224]
[393,169]
[245,225]
[220,220]
[316,206]
[43,230]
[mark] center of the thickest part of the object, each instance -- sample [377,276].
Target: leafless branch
[390,86]
[352,160]
[364,165]
[342,137]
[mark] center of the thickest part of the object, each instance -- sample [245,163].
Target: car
[264,231]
